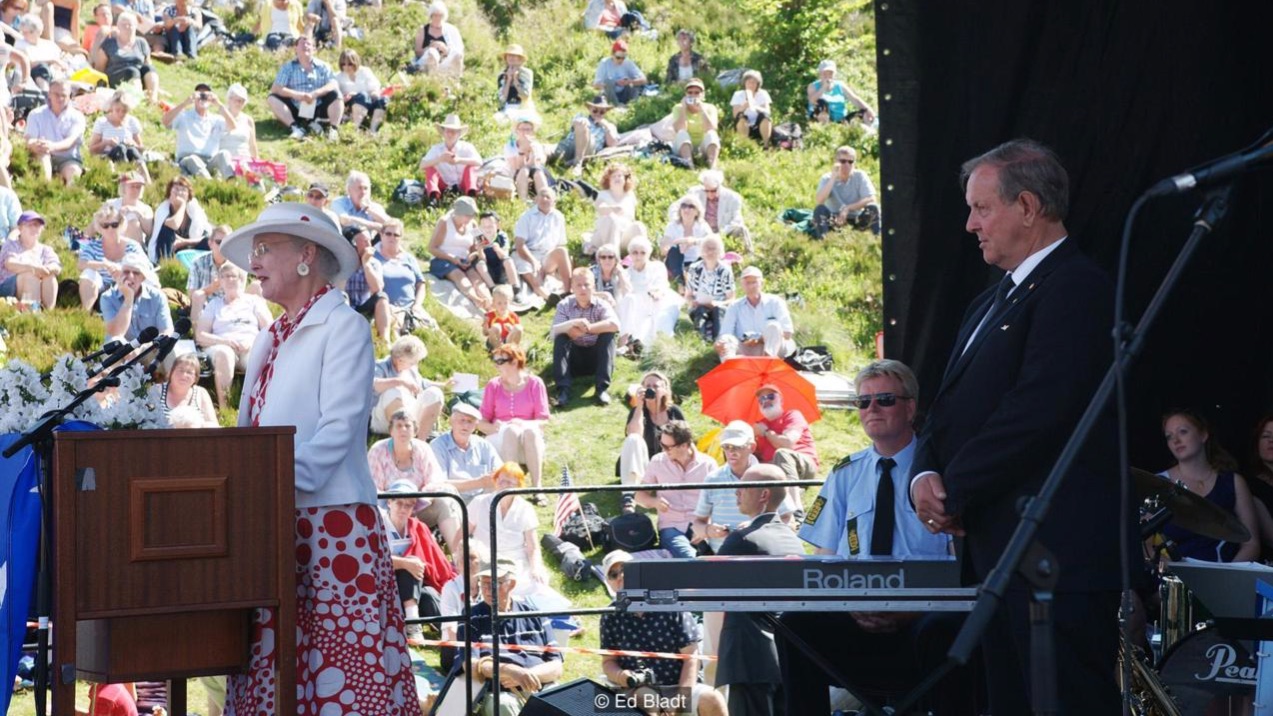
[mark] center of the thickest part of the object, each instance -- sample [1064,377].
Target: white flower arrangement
[25,397]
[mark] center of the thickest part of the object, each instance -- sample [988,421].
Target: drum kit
[1197,670]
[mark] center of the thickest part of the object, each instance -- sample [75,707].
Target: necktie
[1001,296]
[882,530]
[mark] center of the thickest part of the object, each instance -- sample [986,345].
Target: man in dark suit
[748,660]
[1028,357]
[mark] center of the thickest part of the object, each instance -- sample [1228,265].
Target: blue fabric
[20,535]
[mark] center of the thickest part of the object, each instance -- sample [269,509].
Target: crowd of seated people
[597,307]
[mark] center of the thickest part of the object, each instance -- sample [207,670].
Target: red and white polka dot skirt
[351,646]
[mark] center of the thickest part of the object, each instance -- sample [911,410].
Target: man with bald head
[748,659]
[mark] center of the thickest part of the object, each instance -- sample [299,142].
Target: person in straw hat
[451,163]
[589,133]
[515,85]
[753,108]
[313,370]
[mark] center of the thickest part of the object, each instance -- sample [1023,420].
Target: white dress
[651,306]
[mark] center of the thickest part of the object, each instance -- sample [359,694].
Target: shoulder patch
[844,461]
[811,517]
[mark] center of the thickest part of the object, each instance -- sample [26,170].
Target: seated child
[502,325]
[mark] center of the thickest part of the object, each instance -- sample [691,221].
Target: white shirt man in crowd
[539,244]
[757,324]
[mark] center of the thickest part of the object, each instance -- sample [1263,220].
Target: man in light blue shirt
[618,77]
[468,460]
[881,650]
[758,324]
[131,305]
[717,513]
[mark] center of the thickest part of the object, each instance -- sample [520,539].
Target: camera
[643,677]
[691,100]
[649,393]
[205,95]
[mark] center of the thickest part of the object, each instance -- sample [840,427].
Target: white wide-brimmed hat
[300,220]
[452,121]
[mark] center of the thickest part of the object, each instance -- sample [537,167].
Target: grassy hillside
[838,280]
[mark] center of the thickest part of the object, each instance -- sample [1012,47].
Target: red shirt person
[783,438]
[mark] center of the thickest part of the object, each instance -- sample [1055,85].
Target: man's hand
[127,292]
[929,495]
[512,676]
[883,622]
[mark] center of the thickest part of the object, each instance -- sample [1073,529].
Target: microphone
[166,343]
[1217,171]
[123,348]
[104,350]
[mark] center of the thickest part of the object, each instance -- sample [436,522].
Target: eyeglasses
[884,400]
[110,225]
[598,113]
[133,272]
[260,250]
[667,447]
[390,233]
[606,258]
[620,56]
[316,195]
[847,161]
[694,93]
[767,397]
[231,277]
[501,360]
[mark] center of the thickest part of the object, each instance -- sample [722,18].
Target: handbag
[632,532]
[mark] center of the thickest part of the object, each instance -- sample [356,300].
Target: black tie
[882,531]
[1001,295]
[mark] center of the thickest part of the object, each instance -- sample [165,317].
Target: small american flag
[567,503]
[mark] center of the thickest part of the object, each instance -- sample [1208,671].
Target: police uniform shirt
[843,514]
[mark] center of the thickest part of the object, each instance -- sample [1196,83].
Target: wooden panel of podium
[165,541]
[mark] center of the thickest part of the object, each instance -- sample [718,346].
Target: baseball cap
[737,433]
[319,186]
[768,388]
[30,216]
[464,408]
[616,557]
[203,87]
[133,177]
[619,46]
[504,566]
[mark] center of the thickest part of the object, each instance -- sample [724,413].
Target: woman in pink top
[401,457]
[514,410]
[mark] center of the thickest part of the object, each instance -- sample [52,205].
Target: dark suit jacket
[1006,407]
[747,654]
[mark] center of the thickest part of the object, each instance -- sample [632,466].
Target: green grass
[838,279]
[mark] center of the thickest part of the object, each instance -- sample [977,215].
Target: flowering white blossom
[26,397]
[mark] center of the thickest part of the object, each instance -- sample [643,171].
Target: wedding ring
[931,523]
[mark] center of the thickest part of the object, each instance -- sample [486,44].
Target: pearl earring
[302,269]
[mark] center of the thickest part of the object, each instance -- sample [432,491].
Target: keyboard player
[864,511]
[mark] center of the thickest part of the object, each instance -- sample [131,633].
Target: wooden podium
[165,541]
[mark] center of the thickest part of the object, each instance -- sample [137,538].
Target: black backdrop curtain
[1127,93]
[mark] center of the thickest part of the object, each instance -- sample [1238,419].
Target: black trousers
[571,359]
[881,667]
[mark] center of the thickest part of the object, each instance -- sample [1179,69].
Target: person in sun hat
[618,77]
[312,369]
[132,305]
[515,85]
[452,163]
[590,132]
[696,123]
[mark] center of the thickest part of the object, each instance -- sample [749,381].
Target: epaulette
[848,459]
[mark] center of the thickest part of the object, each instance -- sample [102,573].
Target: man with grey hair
[357,211]
[722,207]
[845,197]
[1027,359]
[54,134]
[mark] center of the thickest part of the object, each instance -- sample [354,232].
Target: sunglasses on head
[884,400]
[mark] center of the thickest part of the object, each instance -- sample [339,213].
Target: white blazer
[321,385]
[729,209]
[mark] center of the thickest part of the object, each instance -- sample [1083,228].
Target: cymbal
[1188,510]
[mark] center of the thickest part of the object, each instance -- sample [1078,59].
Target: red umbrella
[729,389]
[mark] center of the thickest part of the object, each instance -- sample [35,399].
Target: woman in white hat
[438,45]
[753,108]
[312,369]
[451,163]
[515,85]
[239,143]
[829,98]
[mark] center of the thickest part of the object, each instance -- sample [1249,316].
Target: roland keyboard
[777,584]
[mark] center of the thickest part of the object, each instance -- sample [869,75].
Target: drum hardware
[1188,510]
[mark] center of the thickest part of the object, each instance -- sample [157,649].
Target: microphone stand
[1043,674]
[41,438]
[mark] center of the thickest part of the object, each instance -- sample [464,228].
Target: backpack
[815,359]
[788,135]
[585,529]
[409,192]
[632,532]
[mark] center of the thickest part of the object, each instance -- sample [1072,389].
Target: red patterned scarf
[280,330]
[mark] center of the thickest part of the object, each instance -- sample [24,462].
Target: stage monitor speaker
[581,697]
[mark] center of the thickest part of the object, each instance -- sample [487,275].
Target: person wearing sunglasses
[722,207]
[654,632]
[845,197]
[863,510]
[132,305]
[679,462]
[619,78]
[784,439]
[514,413]
[590,132]
[100,257]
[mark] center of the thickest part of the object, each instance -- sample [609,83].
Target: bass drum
[1206,668]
